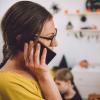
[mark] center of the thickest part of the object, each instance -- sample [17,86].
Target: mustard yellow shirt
[13,86]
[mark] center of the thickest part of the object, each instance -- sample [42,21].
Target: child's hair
[64,74]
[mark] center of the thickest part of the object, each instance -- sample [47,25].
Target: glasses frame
[48,38]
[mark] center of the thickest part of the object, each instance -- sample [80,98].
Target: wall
[74,49]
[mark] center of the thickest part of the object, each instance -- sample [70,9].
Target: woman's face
[48,31]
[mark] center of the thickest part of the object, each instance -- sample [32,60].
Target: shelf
[84,13]
[85,30]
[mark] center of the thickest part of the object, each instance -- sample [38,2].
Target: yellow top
[13,86]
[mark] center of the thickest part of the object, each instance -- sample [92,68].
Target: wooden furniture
[94,97]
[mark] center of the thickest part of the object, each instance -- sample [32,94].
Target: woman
[24,76]
[65,82]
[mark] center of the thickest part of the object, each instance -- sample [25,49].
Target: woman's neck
[15,63]
[18,66]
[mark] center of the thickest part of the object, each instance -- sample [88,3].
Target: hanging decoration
[83,18]
[66,12]
[69,26]
[55,8]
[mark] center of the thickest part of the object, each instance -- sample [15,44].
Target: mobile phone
[50,54]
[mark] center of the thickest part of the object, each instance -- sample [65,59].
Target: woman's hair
[20,23]
[64,74]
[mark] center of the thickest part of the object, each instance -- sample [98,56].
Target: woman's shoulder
[7,78]
[11,82]
[3,76]
[6,75]
[12,79]
[4,80]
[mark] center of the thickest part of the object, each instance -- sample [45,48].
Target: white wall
[74,49]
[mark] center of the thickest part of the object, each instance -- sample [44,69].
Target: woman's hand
[39,68]
[33,61]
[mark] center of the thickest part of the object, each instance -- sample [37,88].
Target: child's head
[64,80]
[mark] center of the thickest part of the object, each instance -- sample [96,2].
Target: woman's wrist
[46,76]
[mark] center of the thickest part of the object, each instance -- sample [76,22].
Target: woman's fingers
[26,53]
[33,59]
[31,51]
[43,57]
[37,55]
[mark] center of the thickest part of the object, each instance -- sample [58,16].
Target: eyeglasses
[52,38]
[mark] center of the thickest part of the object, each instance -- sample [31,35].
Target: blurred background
[78,27]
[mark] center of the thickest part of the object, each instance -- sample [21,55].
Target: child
[65,82]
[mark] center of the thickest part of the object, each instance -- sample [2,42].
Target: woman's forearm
[49,88]
[40,70]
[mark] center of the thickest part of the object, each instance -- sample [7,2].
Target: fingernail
[31,42]
[38,45]
[26,44]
